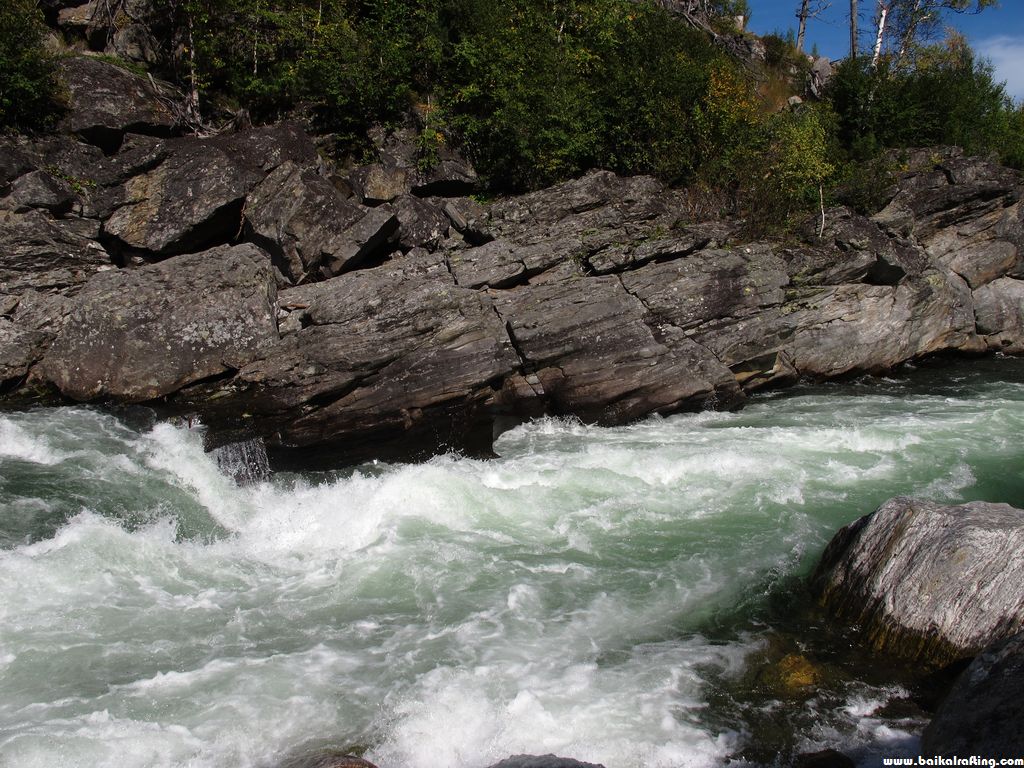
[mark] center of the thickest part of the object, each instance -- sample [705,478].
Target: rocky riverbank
[941,584]
[379,311]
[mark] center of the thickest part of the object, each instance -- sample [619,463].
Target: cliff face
[241,278]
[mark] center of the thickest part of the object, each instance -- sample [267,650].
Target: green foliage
[790,166]
[28,80]
[948,97]
[866,187]
[538,93]
[780,49]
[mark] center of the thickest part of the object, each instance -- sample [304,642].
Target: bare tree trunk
[908,35]
[853,29]
[802,16]
[883,13]
[192,106]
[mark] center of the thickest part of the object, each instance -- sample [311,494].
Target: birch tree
[912,20]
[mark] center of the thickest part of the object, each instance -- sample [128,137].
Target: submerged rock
[245,462]
[826,758]
[983,713]
[926,581]
[327,759]
[542,761]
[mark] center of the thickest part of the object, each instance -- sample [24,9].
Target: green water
[603,594]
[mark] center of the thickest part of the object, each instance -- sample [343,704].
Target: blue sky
[997,34]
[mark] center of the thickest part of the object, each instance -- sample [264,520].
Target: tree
[853,29]
[912,20]
[28,79]
[808,10]
[880,23]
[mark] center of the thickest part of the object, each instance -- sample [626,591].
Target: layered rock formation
[929,582]
[139,265]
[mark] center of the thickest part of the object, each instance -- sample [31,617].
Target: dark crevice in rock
[653,321]
[226,375]
[273,247]
[377,257]
[882,272]
[524,362]
[654,258]
[222,228]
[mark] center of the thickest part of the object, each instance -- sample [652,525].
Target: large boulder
[596,354]
[999,314]
[420,223]
[403,169]
[141,334]
[926,581]
[105,102]
[301,219]
[119,29]
[983,713]
[190,201]
[542,761]
[398,354]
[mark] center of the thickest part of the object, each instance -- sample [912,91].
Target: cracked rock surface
[410,319]
[929,582]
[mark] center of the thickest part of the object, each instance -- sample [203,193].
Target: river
[599,593]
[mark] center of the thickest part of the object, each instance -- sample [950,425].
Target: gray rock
[468,217]
[872,328]
[452,176]
[999,313]
[366,237]
[40,253]
[141,334]
[400,170]
[190,201]
[398,354]
[590,345]
[983,712]
[106,101]
[497,264]
[820,75]
[598,298]
[420,224]
[265,148]
[39,189]
[542,761]
[378,183]
[19,349]
[301,219]
[929,582]
[15,159]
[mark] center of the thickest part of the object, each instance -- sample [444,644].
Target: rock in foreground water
[542,761]
[982,714]
[929,582]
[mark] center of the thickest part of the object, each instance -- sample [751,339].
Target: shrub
[28,78]
[947,97]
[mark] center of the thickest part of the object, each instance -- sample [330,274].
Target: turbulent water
[603,594]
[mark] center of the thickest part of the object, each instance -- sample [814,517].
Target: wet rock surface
[411,318]
[929,582]
[983,712]
[542,761]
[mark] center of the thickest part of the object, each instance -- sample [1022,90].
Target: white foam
[16,442]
